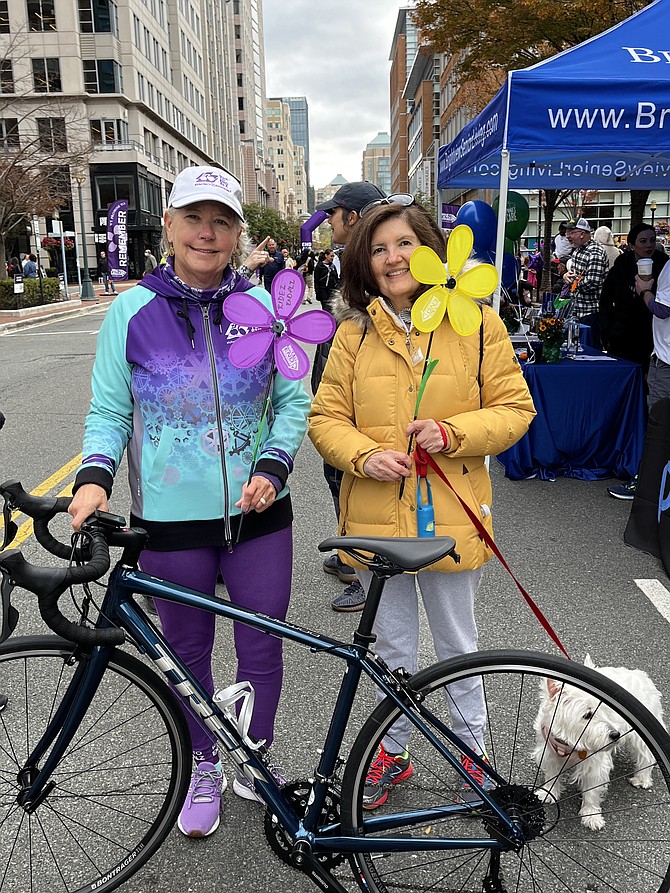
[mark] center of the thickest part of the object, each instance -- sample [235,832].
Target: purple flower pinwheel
[279,328]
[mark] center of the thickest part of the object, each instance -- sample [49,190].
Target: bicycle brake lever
[11,528]
[10,615]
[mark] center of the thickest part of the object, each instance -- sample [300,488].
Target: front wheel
[118,788]
[595,742]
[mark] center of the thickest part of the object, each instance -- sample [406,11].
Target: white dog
[577,735]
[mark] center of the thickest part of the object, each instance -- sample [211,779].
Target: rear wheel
[117,790]
[630,853]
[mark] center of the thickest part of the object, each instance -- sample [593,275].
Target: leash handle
[488,539]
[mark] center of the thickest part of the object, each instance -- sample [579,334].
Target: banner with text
[117,240]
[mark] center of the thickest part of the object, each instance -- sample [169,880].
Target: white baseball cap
[579,224]
[206,184]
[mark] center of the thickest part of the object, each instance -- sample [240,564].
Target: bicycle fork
[35,785]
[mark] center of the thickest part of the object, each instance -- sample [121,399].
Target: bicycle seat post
[363,633]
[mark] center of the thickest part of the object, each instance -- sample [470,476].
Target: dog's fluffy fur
[577,736]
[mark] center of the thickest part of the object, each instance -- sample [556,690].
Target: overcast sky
[337,55]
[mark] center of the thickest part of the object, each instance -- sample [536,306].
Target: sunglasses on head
[400,198]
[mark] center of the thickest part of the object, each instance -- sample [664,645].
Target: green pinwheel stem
[427,372]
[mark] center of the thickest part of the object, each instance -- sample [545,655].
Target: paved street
[563,539]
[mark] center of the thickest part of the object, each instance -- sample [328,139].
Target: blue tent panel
[596,116]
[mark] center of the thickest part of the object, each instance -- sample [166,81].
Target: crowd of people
[601,282]
[212,510]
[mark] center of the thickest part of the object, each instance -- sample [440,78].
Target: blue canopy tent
[596,116]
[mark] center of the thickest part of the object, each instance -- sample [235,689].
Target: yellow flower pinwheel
[454,293]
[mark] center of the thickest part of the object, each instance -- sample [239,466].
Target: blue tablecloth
[590,423]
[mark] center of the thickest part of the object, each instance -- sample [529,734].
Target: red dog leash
[423,459]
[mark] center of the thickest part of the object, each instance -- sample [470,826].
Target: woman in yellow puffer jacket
[476,403]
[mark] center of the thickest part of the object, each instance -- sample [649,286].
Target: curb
[48,316]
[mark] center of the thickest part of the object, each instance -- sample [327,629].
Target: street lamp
[87,293]
[55,217]
[652,208]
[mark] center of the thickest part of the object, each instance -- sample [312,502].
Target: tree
[511,34]
[262,221]
[492,37]
[42,137]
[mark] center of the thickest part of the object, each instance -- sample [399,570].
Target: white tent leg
[502,215]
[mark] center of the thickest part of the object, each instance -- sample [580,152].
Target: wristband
[445,438]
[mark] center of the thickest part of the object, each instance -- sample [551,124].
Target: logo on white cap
[196,184]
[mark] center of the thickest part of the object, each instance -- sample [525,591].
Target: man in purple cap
[344,211]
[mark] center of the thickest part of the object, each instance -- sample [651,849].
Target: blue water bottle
[425,516]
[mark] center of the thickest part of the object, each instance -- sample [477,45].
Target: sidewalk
[10,320]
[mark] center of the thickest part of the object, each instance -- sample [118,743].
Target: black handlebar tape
[49,584]
[42,509]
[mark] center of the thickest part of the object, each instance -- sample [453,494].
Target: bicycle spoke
[115,792]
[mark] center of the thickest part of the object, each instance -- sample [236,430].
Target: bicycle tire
[119,786]
[631,853]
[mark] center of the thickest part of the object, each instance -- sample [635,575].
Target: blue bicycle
[95,756]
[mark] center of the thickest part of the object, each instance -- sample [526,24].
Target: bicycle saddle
[408,553]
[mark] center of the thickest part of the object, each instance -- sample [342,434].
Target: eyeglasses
[400,198]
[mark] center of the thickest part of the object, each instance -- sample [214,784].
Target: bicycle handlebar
[48,584]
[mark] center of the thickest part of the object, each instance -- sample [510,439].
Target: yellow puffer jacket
[366,400]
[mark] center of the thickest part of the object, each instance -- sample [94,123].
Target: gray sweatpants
[448,600]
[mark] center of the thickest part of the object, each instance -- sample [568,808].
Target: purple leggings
[257,576]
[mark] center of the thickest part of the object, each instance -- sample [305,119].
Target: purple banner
[117,240]
[449,213]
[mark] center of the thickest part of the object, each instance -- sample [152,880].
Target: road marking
[26,529]
[658,595]
[54,334]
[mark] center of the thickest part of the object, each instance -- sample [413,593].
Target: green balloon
[516,218]
[510,246]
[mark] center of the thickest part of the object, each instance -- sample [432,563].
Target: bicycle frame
[119,608]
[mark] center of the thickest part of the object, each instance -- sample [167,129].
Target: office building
[144,85]
[376,166]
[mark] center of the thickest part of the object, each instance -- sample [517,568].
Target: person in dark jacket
[624,317]
[325,279]
[344,211]
[305,266]
[103,273]
[276,262]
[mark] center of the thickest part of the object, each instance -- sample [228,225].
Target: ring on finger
[262,501]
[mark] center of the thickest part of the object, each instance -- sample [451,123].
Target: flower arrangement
[551,331]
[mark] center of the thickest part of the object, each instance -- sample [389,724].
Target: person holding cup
[625,318]
[625,321]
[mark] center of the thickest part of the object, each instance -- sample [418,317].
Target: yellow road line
[26,529]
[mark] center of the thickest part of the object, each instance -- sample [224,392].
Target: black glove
[2,420]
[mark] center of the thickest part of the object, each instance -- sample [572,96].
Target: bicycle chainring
[298,792]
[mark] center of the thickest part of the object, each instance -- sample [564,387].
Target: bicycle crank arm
[304,860]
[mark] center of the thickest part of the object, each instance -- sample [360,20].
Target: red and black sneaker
[468,794]
[388,769]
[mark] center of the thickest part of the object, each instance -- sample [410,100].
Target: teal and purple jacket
[165,390]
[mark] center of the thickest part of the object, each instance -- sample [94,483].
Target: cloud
[339,60]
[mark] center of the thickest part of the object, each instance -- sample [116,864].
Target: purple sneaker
[201,813]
